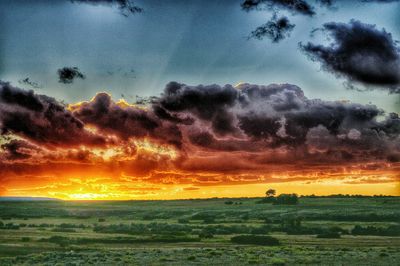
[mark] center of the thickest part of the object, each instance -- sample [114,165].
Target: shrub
[209,220]
[286,199]
[205,234]
[255,239]
[393,230]
[329,235]
[60,240]
[338,229]
[221,229]
[150,228]
[11,226]
[149,217]
[64,230]
[245,216]
[57,239]
[66,225]
[363,217]
[270,199]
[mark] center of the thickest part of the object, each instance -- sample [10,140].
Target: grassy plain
[316,231]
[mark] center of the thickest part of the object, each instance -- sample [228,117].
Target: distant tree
[269,196]
[270,192]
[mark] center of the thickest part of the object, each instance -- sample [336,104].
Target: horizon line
[28,198]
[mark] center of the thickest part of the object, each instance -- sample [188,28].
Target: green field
[316,231]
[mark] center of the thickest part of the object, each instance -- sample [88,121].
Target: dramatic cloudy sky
[116,99]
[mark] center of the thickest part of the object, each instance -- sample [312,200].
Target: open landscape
[336,230]
[193,132]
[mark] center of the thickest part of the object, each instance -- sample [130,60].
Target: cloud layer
[197,135]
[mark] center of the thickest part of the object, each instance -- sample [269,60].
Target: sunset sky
[118,99]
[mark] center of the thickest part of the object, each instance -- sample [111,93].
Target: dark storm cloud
[103,112]
[208,103]
[250,119]
[40,119]
[67,75]
[126,7]
[276,29]
[14,96]
[205,101]
[29,82]
[361,53]
[279,116]
[126,122]
[294,6]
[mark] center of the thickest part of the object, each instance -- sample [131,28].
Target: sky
[117,99]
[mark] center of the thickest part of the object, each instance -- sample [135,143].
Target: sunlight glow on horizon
[142,191]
